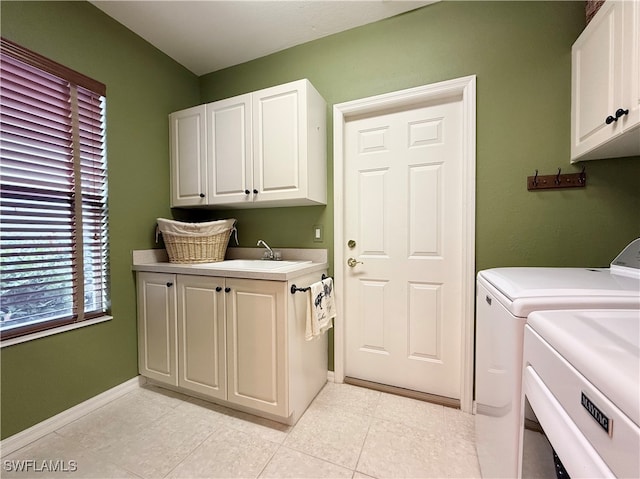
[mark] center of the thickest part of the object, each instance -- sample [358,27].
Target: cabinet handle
[218,288]
[201,195]
[226,290]
[169,284]
[246,192]
[620,112]
[255,192]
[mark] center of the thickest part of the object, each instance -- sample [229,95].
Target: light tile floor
[347,432]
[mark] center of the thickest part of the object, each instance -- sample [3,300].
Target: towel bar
[295,289]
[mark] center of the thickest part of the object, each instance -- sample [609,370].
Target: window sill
[52,331]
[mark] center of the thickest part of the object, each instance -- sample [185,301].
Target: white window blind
[53,195]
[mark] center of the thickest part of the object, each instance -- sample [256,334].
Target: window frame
[78,84]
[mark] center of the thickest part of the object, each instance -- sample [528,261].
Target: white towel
[321,309]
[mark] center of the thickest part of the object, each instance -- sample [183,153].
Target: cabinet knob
[218,288]
[255,192]
[610,120]
[169,284]
[226,290]
[246,192]
[620,112]
[201,195]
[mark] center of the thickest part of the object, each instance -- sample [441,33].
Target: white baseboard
[330,376]
[35,432]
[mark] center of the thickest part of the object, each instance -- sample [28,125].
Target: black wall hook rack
[559,180]
[295,289]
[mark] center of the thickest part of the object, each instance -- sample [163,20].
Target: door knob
[352,262]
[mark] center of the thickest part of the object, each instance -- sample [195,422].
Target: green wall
[44,377]
[521,54]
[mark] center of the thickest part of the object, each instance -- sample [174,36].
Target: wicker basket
[196,242]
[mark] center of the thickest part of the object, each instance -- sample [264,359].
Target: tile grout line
[269,461]
[191,452]
[280,445]
[93,453]
[372,418]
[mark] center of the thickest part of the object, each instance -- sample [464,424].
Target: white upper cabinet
[605,98]
[229,150]
[188,157]
[262,149]
[289,145]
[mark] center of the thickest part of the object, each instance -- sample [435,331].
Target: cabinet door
[631,65]
[279,139]
[188,157]
[256,345]
[597,80]
[157,327]
[201,335]
[229,150]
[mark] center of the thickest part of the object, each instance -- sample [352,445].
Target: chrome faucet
[267,254]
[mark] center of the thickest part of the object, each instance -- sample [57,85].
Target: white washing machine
[505,297]
[581,379]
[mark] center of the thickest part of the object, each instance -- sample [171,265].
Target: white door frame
[464,88]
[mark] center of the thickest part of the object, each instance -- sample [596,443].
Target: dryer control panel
[627,263]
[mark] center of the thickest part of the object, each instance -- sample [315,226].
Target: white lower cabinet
[157,327]
[201,335]
[256,345]
[235,341]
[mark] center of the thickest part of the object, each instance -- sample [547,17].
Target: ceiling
[206,36]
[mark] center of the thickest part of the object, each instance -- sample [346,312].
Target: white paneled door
[403,235]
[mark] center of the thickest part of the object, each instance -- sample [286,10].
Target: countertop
[156,261]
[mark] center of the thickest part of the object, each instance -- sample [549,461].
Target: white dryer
[581,378]
[505,297]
